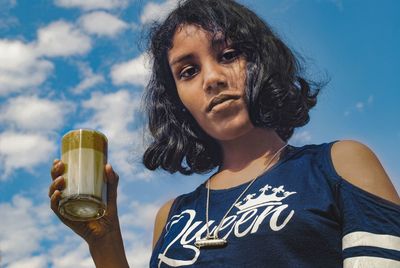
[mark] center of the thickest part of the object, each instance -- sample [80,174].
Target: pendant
[210,242]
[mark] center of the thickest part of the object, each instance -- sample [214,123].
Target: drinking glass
[84,154]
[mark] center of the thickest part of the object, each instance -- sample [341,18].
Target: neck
[257,145]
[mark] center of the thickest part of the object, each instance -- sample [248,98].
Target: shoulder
[161,220]
[358,164]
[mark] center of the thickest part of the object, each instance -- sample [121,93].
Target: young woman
[227,93]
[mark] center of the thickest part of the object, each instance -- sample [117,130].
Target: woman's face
[210,80]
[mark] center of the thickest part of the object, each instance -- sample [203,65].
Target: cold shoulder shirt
[300,213]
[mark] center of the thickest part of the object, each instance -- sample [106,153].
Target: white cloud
[147,212]
[138,250]
[156,12]
[135,71]
[370,99]
[23,226]
[29,237]
[284,6]
[301,138]
[116,115]
[92,4]
[28,137]
[6,19]
[72,251]
[61,38]
[113,113]
[359,106]
[31,262]
[14,54]
[20,67]
[137,231]
[338,4]
[32,113]
[23,150]
[102,23]
[10,3]
[90,79]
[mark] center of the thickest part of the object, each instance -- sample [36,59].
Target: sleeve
[370,225]
[370,228]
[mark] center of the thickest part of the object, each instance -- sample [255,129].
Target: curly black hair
[277,96]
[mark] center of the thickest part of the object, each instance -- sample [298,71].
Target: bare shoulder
[358,164]
[161,220]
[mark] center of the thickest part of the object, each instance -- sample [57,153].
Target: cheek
[238,76]
[193,106]
[187,101]
[182,96]
[191,97]
[242,75]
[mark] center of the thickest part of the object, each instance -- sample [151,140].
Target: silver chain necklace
[213,241]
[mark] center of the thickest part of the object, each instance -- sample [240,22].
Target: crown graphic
[268,196]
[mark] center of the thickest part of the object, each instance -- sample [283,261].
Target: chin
[229,131]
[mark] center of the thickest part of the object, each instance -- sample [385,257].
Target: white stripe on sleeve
[370,262]
[356,239]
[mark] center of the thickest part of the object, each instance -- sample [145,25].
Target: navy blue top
[300,213]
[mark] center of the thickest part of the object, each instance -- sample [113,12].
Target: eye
[188,72]
[230,55]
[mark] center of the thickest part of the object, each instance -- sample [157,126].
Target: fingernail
[108,166]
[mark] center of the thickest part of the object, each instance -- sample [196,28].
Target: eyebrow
[216,43]
[182,58]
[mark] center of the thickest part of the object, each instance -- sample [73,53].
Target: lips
[220,99]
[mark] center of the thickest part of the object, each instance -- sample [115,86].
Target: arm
[103,235]
[161,220]
[357,164]
[108,250]
[370,227]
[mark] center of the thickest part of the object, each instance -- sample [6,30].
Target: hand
[95,230]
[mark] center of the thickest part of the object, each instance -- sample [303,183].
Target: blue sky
[66,64]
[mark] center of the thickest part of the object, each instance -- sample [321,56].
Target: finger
[54,205]
[112,179]
[58,184]
[57,169]
[55,200]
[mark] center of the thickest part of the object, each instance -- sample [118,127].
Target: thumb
[112,179]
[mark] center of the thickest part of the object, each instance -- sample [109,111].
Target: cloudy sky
[66,64]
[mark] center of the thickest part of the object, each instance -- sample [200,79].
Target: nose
[214,77]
